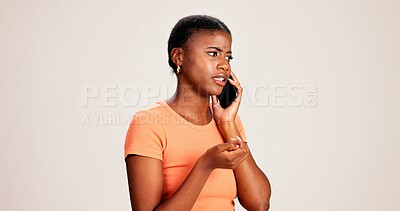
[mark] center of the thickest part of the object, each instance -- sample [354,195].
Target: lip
[220,79]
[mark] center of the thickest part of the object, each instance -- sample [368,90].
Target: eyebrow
[218,49]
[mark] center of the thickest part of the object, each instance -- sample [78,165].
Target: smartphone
[228,94]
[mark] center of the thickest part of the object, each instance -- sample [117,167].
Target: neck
[190,105]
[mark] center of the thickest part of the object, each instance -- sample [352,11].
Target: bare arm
[254,190]
[253,187]
[145,178]
[145,181]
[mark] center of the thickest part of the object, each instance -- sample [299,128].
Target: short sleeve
[144,137]
[240,127]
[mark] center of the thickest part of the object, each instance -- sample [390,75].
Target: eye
[229,58]
[213,53]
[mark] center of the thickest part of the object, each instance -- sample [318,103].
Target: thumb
[215,102]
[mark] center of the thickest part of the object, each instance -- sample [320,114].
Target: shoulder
[145,135]
[151,115]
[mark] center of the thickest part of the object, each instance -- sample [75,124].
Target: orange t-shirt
[161,133]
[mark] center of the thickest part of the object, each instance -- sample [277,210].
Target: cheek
[200,62]
[193,60]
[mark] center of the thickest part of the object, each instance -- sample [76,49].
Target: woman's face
[205,62]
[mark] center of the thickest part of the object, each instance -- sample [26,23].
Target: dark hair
[187,27]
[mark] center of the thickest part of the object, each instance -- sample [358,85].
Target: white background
[340,154]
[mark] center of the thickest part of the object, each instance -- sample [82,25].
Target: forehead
[206,39]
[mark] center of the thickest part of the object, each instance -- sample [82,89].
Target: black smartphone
[228,94]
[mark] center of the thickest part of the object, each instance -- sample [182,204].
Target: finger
[234,83]
[234,77]
[215,104]
[239,155]
[243,152]
[237,140]
[239,89]
[243,144]
[240,146]
[227,147]
[215,100]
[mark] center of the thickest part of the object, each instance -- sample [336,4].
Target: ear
[176,56]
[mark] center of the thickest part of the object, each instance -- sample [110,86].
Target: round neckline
[186,122]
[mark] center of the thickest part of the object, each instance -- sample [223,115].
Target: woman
[185,153]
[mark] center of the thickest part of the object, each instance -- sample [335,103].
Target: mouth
[220,79]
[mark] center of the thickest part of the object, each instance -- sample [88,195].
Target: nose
[224,65]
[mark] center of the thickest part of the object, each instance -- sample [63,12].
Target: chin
[217,92]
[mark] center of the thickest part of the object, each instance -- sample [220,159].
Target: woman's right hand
[226,156]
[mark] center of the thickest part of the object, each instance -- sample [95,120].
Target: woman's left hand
[228,114]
